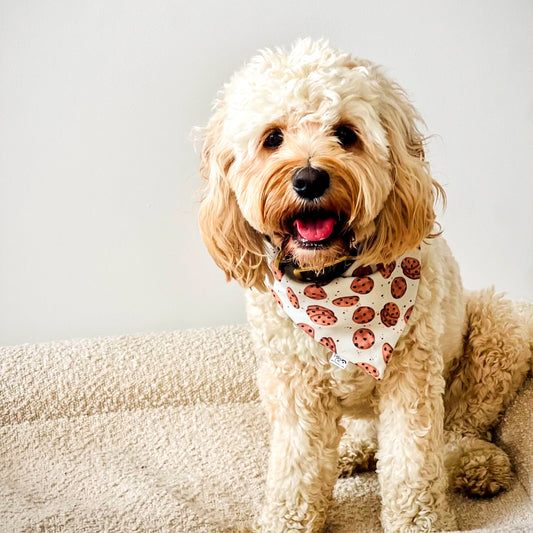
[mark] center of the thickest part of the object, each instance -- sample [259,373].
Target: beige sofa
[164,433]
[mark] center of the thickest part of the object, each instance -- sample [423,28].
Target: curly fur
[461,358]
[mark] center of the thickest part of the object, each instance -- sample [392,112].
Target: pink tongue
[315,230]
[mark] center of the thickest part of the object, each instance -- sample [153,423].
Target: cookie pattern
[390,314]
[362,285]
[398,287]
[278,274]
[387,270]
[411,267]
[329,343]
[346,301]
[293,299]
[315,291]
[363,315]
[367,367]
[387,352]
[360,315]
[307,328]
[364,338]
[362,271]
[277,298]
[321,315]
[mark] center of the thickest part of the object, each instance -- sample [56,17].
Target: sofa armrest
[83,377]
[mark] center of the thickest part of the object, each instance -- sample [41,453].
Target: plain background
[99,179]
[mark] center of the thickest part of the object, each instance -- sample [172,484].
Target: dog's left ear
[234,245]
[408,216]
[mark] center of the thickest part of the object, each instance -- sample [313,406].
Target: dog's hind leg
[476,466]
[357,450]
[481,385]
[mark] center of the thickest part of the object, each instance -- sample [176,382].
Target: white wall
[98,178]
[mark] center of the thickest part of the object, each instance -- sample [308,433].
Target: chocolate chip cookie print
[359,315]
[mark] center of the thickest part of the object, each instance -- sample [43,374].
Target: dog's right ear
[235,246]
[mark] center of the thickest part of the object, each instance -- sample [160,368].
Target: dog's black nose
[310,183]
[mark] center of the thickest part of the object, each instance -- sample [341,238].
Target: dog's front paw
[286,526]
[282,518]
[426,521]
[422,510]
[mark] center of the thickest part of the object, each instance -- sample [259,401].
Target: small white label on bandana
[337,360]
[360,315]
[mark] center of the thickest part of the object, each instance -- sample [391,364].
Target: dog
[319,199]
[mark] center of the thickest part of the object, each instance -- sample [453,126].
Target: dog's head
[318,153]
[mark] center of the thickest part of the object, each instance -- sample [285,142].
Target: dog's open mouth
[312,239]
[316,229]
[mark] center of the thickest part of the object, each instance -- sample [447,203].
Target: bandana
[359,315]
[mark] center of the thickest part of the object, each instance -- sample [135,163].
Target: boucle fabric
[165,433]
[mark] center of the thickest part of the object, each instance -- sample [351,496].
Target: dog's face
[318,153]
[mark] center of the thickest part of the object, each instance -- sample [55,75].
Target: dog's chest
[356,392]
[279,340]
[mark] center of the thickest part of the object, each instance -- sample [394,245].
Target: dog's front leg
[410,435]
[305,434]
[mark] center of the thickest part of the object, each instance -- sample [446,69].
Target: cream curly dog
[316,183]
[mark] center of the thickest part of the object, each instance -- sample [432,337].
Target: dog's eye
[274,139]
[346,136]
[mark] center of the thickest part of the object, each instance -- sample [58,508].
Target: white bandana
[359,315]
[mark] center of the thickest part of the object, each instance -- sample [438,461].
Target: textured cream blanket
[164,433]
